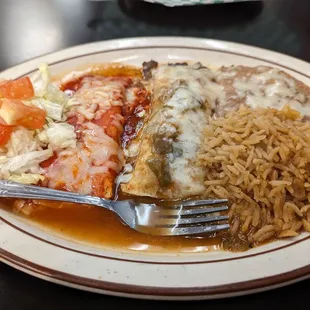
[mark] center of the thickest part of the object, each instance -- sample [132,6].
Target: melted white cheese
[91,157]
[125,176]
[183,99]
[185,114]
[184,169]
[270,89]
[96,152]
[199,82]
[132,150]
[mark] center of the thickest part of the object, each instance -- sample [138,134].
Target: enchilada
[165,154]
[96,112]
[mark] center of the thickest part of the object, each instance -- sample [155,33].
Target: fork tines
[194,217]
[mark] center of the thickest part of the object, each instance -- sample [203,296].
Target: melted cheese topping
[97,154]
[187,94]
[187,118]
[91,157]
[97,94]
[184,169]
[200,82]
[267,88]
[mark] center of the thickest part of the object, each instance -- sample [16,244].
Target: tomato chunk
[17,89]
[15,112]
[5,134]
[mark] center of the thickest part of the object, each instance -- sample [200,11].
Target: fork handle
[9,189]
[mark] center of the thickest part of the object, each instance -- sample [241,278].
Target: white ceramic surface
[158,276]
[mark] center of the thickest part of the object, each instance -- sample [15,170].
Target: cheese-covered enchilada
[166,152]
[92,166]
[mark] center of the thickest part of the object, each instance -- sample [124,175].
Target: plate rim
[145,42]
[130,290]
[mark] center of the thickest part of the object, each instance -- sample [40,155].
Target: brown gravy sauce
[101,227]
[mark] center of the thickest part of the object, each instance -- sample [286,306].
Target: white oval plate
[158,276]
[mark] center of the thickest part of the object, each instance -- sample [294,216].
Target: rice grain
[260,160]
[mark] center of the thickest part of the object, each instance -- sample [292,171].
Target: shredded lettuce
[59,135]
[53,110]
[55,95]
[26,178]
[20,158]
[41,80]
[22,141]
[43,88]
[26,162]
[72,102]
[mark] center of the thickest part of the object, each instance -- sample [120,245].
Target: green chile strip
[160,168]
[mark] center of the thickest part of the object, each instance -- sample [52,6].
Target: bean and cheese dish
[161,132]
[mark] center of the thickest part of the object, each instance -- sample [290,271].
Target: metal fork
[183,218]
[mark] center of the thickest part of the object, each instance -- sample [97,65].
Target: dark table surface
[29,28]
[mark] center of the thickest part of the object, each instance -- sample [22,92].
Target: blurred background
[29,28]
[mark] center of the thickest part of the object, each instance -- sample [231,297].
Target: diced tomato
[5,134]
[17,89]
[15,112]
[106,121]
